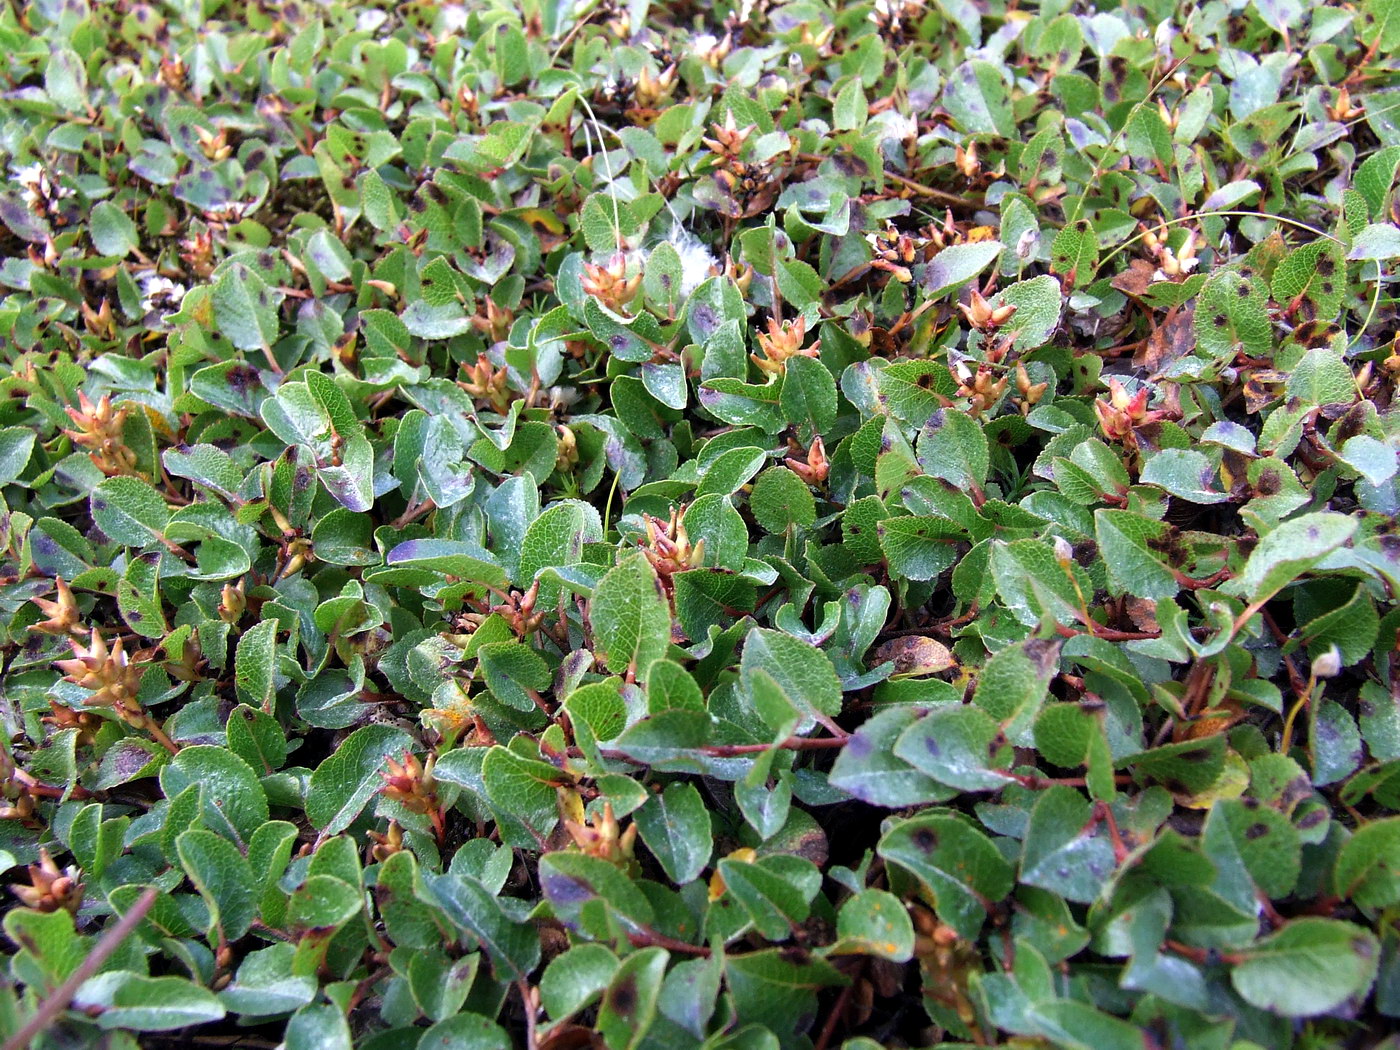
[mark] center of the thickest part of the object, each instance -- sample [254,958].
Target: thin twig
[56,1003]
[1296,681]
[413,513]
[649,938]
[833,1019]
[792,743]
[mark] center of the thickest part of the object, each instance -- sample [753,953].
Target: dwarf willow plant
[745,525]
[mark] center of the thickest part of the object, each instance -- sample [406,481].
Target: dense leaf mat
[625,525]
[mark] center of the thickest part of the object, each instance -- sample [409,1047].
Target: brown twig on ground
[56,1003]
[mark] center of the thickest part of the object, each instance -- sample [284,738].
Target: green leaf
[808,397]
[255,664]
[148,1004]
[848,112]
[599,708]
[343,783]
[377,200]
[956,265]
[318,1027]
[233,386]
[445,478]
[323,902]
[1258,839]
[1313,273]
[780,501]
[1378,241]
[232,802]
[953,446]
[962,869]
[16,446]
[512,672]
[1188,767]
[743,404]
[1309,967]
[265,984]
[1075,1025]
[1133,547]
[1074,253]
[1013,684]
[868,769]
[208,466]
[1321,378]
[328,255]
[1073,735]
[628,1009]
[514,947]
[1064,851]
[911,389]
[590,894]
[730,471]
[768,889]
[451,558]
[1288,551]
[1376,174]
[1334,742]
[245,308]
[1350,625]
[919,548]
[221,875]
[1037,303]
[1149,136]
[978,99]
[465,1031]
[801,670]
[675,826]
[1232,316]
[874,922]
[631,618]
[113,232]
[128,760]
[521,787]
[1035,586]
[690,994]
[575,978]
[65,80]
[772,990]
[1373,460]
[557,537]
[957,746]
[704,598]
[1185,473]
[664,277]
[129,511]
[715,520]
[1367,870]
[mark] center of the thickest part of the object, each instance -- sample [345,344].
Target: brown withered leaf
[1142,612]
[1314,335]
[1211,723]
[1234,471]
[882,344]
[1170,340]
[1261,389]
[1269,253]
[914,656]
[1135,279]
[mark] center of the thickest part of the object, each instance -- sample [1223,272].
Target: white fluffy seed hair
[696,259]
